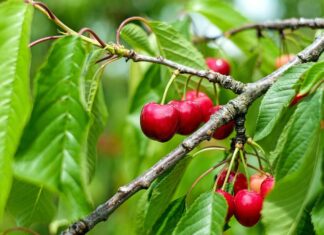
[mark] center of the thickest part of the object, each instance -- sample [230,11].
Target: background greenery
[119,160]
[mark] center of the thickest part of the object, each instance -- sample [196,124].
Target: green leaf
[161,192]
[301,135]
[30,204]
[136,37]
[314,75]
[53,146]
[318,214]
[15,22]
[169,219]
[276,100]
[174,46]
[225,18]
[205,216]
[283,208]
[96,106]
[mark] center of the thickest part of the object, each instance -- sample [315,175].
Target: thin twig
[44,39]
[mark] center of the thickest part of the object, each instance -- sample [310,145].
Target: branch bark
[232,109]
[279,25]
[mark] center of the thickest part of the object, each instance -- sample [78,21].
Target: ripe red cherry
[239,184]
[159,122]
[225,130]
[284,59]
[297,98]
[190,116]
[267,186]
[256,181]
[248,206]
[219,65]
[203,101]
[230,203]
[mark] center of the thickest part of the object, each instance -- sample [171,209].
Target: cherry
[248,206]
[159,122]
[297,98]
[190,116]
[240,182]
[219,65]
[230,203]
[225,130]
[256,181]
[267,186]
[284,59]
[203,101]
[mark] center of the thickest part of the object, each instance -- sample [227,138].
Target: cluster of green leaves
[48,152]
[296,155]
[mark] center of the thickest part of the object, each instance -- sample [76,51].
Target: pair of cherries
[161,122]
[245,205]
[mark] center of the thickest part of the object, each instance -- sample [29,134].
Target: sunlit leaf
[276,100]
[15,103]
[205,216]
[53,146]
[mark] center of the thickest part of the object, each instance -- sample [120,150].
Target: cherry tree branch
[279,25]
[231,110]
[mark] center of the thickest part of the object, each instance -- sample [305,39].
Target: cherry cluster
[245,204]
[161,122]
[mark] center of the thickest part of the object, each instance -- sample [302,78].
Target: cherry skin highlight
[248,206]
[190,116]
[267,186]
[239,184]
[225,130]
[219,65]
[284,59]
[159,122]
[256,181]
[203,101]
[230,203]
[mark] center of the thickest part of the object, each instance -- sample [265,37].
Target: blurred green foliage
[114,166]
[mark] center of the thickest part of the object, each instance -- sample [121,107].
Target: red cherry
[256,181]
[225,130]
[240,182]
[230,203]
[267,186]
[159,122]
[203,101]
[190,116]
[284,59]
[297,98]
[248,206]
[219,65]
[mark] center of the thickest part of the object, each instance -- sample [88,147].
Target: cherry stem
[257,169]
[217,179]
[253,143]
[44,40]
[230,167]
[220,148]
[216,89]
[257,156]
[185,87]
[198,86]
[204,175]
[93,34]
[245,168]
[317,85]
[173,77]
[121,26]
